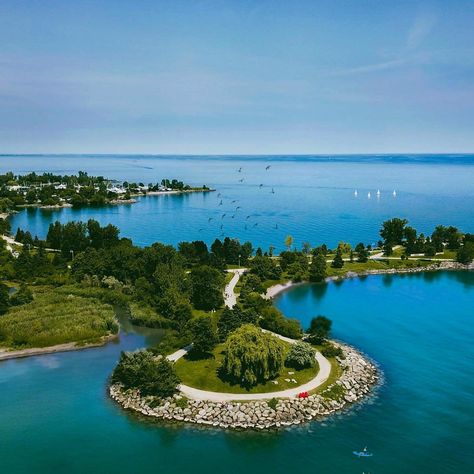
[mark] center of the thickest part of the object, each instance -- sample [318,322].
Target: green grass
[203,374]
[56,318]
[143,315]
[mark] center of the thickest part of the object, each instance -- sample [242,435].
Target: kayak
[363,454]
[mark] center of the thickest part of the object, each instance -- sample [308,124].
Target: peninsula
[228,357]
[52,191]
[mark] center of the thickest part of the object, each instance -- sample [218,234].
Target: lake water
[55,415]
[313,197]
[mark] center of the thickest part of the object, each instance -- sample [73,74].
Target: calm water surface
[313,197]
[55,415]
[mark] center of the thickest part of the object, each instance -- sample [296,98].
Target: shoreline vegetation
[50,191]
[63,293]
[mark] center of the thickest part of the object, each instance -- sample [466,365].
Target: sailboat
[356,193]
[378,192]
[394,194]
[368,195]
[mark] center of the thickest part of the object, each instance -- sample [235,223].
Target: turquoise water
[313,200]
[55,415]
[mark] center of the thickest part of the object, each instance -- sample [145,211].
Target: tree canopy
[252,356]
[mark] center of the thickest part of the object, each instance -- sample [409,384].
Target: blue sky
[237,76]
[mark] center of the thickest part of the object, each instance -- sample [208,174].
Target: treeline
[397,232]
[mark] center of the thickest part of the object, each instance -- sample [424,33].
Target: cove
[56,415]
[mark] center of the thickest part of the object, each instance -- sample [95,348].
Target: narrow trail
[196,394]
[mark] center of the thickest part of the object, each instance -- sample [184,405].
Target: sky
[236,77]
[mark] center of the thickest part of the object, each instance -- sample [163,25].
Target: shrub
[301,356]
[272,403]
[330,350]
[252,356]
[22,296]
[274,321]
[151,375]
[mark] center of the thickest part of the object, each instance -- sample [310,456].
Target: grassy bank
[54,318]
[204,374]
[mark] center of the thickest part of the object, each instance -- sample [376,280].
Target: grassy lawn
[203,374]
[56,318]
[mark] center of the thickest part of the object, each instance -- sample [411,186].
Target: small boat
[394,193]
[378,192]
[355,193]
[362,454]
[369,195]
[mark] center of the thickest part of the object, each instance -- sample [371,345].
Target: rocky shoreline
[359,375]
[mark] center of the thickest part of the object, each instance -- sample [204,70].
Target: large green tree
[317,269]
[252,356]
[393,231]
[142,370]
[206,288]
[203,334]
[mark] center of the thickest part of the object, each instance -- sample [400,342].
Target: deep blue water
[313,200]
[55,415]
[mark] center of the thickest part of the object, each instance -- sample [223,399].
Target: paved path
[196,394]
[230,298]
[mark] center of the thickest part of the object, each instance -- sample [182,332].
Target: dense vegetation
[55,318]
[142,370]
[79,190]
[62,289]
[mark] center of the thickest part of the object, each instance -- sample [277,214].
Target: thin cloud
[420,29]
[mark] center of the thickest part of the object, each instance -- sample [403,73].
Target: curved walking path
[197,394]
[230,298]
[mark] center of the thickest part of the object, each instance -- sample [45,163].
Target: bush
[252,356]
[301,356]
[272,403]
[274,321]
[151,375]
[330,350]
[22,296]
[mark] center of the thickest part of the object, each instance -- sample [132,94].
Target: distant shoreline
[279,288]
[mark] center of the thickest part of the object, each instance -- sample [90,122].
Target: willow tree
[252,356]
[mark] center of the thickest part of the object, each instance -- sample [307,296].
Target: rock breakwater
[358,376]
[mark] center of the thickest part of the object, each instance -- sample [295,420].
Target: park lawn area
[56,318]
[203,374]
[355,267]
[447,254]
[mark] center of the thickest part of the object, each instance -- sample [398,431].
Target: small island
[51,191]
[228,357]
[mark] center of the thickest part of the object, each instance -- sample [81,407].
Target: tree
[338,262]
[203,333]
[319,329]
[232,319]
[4,298]
[317,269]
[306,248]
[301,356]
[465,254]
[152,376]
[206,288]
[362,253]
[393,230]
[273,320]
[288,242]
[252,356]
